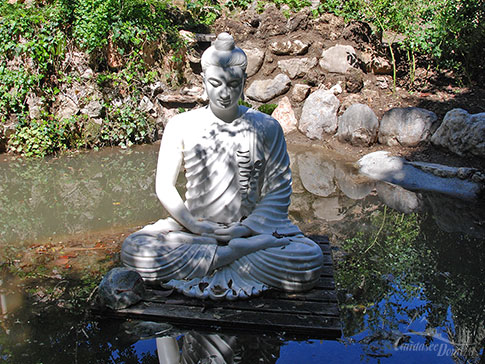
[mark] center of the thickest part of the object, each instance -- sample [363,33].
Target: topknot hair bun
[224,42]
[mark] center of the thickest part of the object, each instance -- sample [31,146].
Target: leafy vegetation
[131,43]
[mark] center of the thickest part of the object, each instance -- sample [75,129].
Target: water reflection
[409,266]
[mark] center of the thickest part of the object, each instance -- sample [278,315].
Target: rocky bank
[331,82]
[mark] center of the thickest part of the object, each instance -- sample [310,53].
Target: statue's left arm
[271,212]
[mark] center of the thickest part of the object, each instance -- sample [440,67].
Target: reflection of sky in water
[100,190]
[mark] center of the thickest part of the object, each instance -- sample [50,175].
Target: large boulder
[297,67]
[338,59]
[358,125]
[407,126]
[266,90]
[462,133]
[319,114]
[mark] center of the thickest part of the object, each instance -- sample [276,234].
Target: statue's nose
[224,93]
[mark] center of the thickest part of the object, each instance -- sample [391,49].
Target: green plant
[203,11]
[46,135]
[126,126]
[267,108]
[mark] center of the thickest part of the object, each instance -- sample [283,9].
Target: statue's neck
[227,115]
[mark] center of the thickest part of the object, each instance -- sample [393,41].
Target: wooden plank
[259,304]
[328,326]
[313,314]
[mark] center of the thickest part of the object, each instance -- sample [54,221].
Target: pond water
[409,266]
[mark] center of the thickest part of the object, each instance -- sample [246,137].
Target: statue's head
[224,71]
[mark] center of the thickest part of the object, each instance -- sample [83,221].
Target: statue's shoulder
[264,123]
[187,118]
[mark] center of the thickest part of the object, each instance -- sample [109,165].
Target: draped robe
[236,172]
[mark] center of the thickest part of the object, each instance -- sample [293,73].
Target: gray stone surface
[462,133]
[319,114]
[407,126]
[289,47]
[255,60]
[120,288]
[93,108]
[338,59]
[358,125]
[266,90]
[297,67]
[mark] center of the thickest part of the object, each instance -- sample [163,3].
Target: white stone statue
[231,237]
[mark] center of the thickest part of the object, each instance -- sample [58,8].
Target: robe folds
[236,172]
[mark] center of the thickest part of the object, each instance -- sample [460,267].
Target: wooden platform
[313,314]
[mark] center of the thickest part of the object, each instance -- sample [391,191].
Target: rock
[93,109]
[381,66]
[120,288]
[255,60]
[300,92]
[146,105]
[67,107]
[266,90]
[462,133]
[316,174]
[297,67]
[35,106]
[365,58]
[6,132]
[319,114]
[358,125]
[338,59]
[406,126]
[285,115]
[381,166]
[289,47]
[177,100]
[354,80]
[399,198]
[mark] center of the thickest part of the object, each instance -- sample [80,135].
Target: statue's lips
[224,103]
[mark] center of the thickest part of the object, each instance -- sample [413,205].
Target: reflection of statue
[195,347]
[232,236]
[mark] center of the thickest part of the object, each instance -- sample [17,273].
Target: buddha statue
[231,237]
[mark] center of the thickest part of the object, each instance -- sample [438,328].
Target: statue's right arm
[168,167]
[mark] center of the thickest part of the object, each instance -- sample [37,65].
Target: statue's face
[224,85]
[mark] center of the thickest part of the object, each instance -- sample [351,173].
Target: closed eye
[214,82]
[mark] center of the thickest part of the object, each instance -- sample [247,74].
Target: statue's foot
[258,242]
